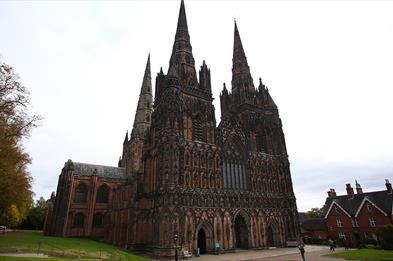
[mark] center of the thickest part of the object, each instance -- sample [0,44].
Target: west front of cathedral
[182,181]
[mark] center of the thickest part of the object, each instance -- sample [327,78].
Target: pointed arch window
[79,220]
[80,194]
[233,168]
[102,194]
[98,220]
[197,129]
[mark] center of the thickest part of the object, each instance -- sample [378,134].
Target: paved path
[40,255]
[313,253]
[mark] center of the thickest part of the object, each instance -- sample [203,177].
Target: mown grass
[365,255]
[60,247]
[12,258]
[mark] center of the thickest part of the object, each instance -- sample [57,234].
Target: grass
[60,247]
[10,258]
[365,255]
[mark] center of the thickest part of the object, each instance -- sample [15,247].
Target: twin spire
[241,76]
[144,110]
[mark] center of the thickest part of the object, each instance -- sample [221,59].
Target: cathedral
[183,182]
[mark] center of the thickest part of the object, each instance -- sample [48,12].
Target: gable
[372,203]
[334,203]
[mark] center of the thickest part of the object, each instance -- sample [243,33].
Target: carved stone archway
[272,235]
[204,238]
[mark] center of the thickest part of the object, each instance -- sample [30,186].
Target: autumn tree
[16,124]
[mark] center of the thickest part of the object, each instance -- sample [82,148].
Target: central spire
[182,27]
[182,63]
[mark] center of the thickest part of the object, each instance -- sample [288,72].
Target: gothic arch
[81,192]
[208,235]
[102,194]
[272,233]
[241,228]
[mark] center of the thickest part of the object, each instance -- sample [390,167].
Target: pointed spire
[241,75]
[182,63]
[145,105]
[182,28]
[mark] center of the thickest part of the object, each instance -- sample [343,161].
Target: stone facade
[184,176]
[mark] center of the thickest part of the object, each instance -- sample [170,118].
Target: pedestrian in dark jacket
[301,249]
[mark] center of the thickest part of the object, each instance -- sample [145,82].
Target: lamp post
[175,236]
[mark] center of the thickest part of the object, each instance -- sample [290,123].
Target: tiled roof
[314,224]
[381,199]
[85,169]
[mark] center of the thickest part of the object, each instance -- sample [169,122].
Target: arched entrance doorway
[270,236]
[241,233]
[202,241]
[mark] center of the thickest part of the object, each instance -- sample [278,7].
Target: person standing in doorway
[301,249]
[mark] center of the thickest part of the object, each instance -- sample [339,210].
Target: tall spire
[241,75]
[144,110]
[182,63]
[182,28]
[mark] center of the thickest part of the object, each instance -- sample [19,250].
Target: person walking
[301,249]
[346,243]
[331,244]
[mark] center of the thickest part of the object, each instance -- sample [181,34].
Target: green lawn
[30,241]
[365,255]
[9,258]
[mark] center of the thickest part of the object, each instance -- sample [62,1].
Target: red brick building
[359,213]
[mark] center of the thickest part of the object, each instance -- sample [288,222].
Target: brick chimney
[388,186]
[349,191]
[359,189]
[332,193]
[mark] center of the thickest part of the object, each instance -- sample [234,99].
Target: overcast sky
[328,66]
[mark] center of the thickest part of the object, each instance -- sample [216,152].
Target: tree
[36,216]
[316,213]
[15,124]
[385,235]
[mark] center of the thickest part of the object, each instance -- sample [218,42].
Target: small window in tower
[147,117]
[197,130]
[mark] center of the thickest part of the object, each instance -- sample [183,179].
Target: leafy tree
[316,213]
[15,124]
[385,234]
[36,216]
